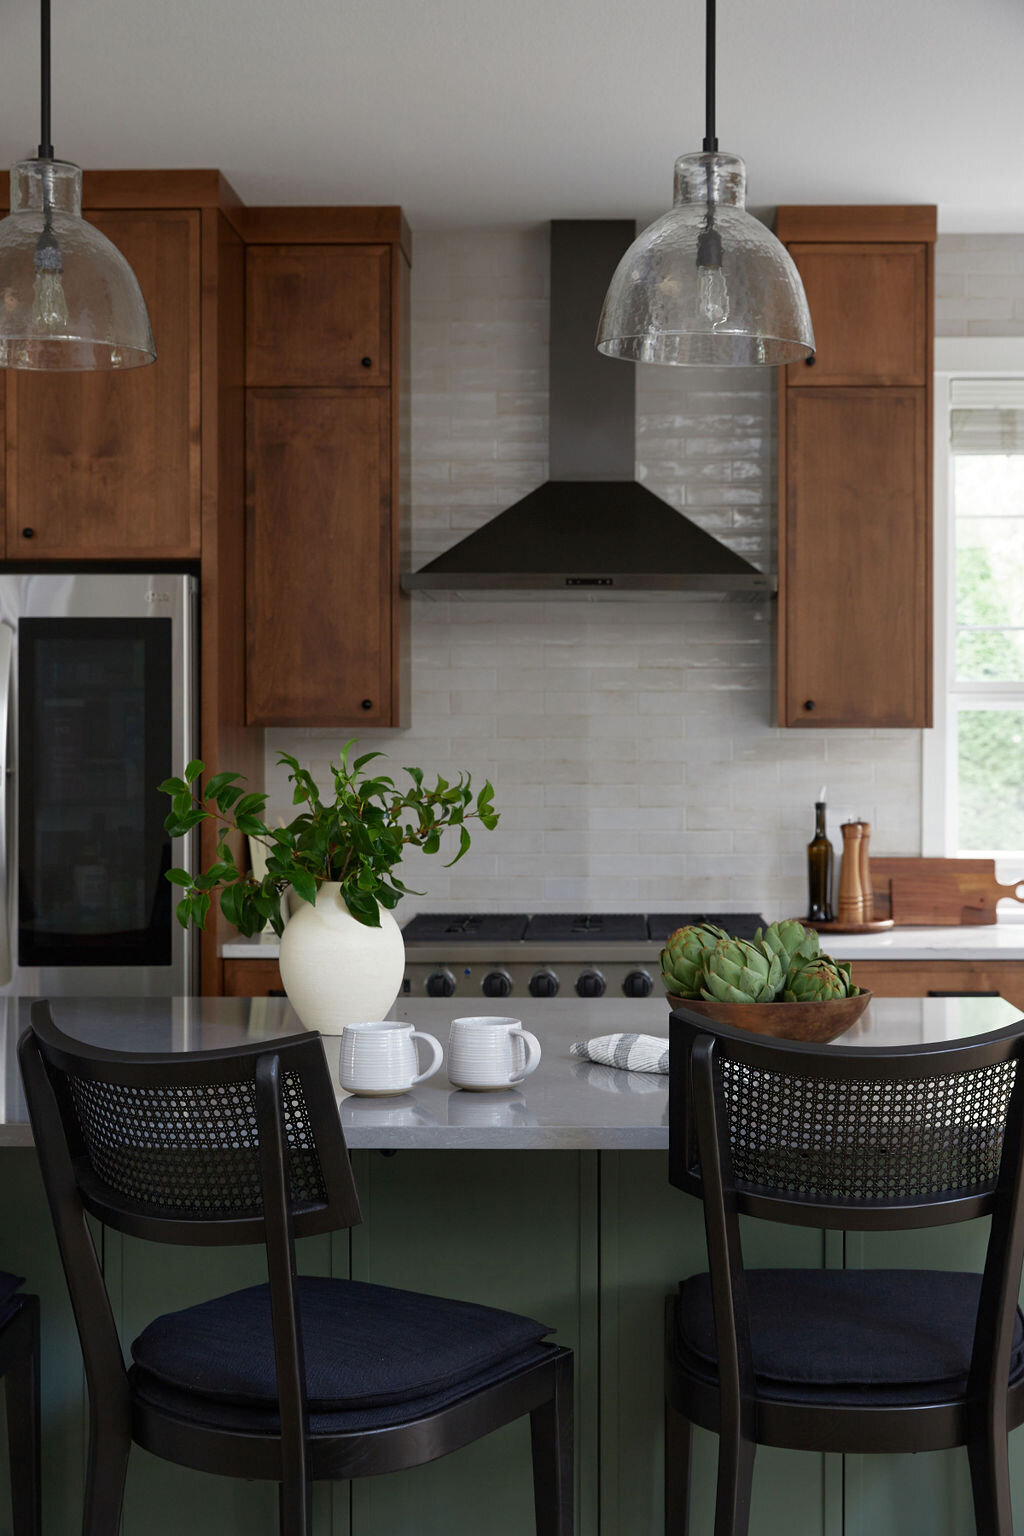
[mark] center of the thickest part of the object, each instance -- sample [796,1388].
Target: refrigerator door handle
[6,875]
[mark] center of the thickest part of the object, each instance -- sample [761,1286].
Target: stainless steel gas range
[551,954]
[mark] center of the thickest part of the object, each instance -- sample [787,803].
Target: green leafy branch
[357,839]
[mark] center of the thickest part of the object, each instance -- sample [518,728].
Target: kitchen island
[551,1199]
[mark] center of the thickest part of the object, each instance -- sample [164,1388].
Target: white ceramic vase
[335,970]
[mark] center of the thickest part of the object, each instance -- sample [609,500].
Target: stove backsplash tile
[630,741]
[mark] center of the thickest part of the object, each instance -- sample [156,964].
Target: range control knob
[543,984]
[638,984]
[441,984]
[590,984]
[497,984]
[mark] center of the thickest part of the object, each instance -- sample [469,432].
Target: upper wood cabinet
[318,557]
[869,309]
[327,370]
[855,541]
[855,578]
[106,466]
[318,315]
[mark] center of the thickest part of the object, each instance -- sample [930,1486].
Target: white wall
[630,741]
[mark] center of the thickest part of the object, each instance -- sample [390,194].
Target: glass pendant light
[68,299]
[707,283]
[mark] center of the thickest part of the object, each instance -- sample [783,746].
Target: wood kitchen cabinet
[855,472]
[106,466]
[327,377]
[318,557]
[857,597]
[252,978]
[920,978]
[318,315]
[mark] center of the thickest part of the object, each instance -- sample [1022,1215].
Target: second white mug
[490,1052]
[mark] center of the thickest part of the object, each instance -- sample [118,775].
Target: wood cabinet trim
[867,221]
[325,226]
[132,191]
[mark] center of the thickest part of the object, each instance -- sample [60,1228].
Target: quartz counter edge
[994,941]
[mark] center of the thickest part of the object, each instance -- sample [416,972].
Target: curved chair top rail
[854,1137]
[167,1145]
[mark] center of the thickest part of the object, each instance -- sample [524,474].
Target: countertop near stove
[566,1104]
[1003,940]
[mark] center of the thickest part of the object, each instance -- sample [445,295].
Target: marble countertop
[1003,940]
[566,1103]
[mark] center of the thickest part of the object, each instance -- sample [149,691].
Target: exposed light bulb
[49,304]
[712,293]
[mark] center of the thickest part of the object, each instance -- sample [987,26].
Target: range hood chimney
[591,525]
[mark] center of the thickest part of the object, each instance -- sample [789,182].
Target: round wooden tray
[877,925]
[816,1022]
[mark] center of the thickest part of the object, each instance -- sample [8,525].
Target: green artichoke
[738,972]
[790,940]
[682,959]
[818,980]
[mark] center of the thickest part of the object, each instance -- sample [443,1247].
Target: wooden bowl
[815,1022]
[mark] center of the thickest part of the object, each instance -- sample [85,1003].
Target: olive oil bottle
[820,864]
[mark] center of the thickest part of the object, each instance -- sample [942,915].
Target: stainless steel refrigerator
[98,704]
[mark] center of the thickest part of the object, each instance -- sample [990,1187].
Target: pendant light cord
[710,141]
[45,145]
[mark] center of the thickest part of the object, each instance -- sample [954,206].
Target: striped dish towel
[634,1053]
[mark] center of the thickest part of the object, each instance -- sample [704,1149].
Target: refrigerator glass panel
[94,742]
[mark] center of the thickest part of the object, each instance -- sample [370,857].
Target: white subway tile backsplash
[632,742]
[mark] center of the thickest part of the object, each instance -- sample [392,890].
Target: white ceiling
[508,111]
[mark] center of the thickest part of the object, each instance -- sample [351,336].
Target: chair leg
[295,1504]
[735,1474]
[21,1389]
[106,1468]
[678,1446]
[551,1432]
[990,1486]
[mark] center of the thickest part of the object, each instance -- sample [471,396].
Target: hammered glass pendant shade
[68,299]
[707,283]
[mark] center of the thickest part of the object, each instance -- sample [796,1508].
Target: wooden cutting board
[938,891]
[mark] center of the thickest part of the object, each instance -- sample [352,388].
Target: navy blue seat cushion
[905,1332]
[365,1346]
[213,1413]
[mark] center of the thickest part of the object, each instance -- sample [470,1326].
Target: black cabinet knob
[366,704]
[497,984]
[440,984]
[638,984]
[590,984]
[810,361]
[367,362]
[28,533]
[544,984]
[808,704]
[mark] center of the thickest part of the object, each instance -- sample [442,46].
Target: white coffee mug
[380,1058]
[488,1052]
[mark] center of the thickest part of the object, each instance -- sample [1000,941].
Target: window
[974,758]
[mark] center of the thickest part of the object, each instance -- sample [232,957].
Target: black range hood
[592,524]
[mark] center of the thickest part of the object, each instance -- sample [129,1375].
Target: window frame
[955,357]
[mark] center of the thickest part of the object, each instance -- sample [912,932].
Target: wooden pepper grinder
[854,900]
[865,872]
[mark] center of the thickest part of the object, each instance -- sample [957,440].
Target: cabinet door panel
[919,978]
[317,315]
[869,306]
[252,978]
[106,465]
[855,563]
[318,558]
